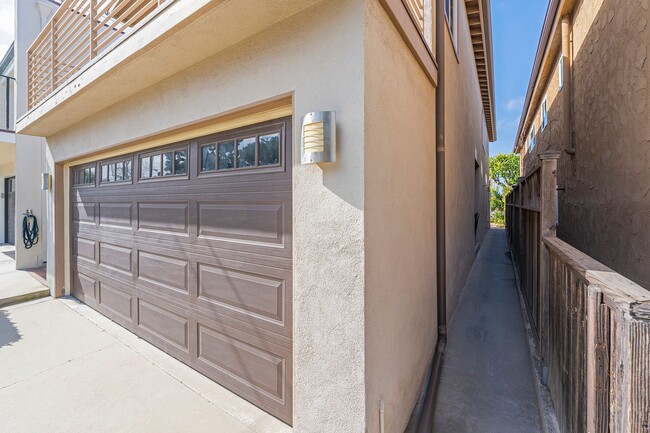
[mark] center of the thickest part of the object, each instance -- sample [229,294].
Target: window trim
[107,162]
[560,66]
[245,132]
[544,113]
[452,25]
[75,170]
[170,148]
[532,138]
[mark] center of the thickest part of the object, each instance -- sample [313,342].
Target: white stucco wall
[317,56]
[30,151]
[400,223]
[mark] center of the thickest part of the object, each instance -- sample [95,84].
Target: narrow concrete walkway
[17,286]
[487,384]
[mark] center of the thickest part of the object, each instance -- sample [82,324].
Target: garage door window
[242,153]
[84,176]
[167,163]
[116,171]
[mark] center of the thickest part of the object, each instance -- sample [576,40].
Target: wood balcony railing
[417,11]
[80,31]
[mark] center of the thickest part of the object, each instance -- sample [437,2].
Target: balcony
[80,31]
[98,59]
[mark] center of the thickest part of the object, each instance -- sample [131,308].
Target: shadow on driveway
[8,331]
[9,254]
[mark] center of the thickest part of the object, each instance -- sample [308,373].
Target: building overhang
[480,26]
[549,45]
[178,36]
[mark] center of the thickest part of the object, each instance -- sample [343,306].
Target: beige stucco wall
[328,303]
[605,208]
[551,137]
[466,143]
[400,237]
[364,227]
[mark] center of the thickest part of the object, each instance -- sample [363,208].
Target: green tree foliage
[504,171]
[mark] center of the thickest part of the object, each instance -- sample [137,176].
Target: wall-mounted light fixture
[318,137]
[46,181]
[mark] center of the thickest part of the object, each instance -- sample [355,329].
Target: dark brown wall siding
[199,265]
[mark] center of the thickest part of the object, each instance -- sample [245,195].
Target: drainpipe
[567,85]
[426,421]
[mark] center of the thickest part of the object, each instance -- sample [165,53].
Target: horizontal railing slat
[78,31]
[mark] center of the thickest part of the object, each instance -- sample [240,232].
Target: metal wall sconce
[318,137]
[46,181]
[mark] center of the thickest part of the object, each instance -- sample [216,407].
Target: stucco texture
[364,299]
[466,144]
[604,209]
[286,59]
[400,222]
[30,151]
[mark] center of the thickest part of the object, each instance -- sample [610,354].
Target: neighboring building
[179,207]
[7,148]
[588,100]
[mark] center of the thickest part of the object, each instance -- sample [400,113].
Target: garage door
[189,246]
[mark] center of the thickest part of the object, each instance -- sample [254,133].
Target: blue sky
[516,28]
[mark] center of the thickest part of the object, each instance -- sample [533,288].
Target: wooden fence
[593,324]
[523,225]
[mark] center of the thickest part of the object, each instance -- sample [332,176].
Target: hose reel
[30,229]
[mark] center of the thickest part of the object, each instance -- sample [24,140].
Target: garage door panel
[84,249]
[172,218]
[117,215]
[173,273]
[243,294]
[116,258]
[164,324]
[199,265]
[117,301]
[83,286]
[258,369]
[246,222]
[83,213]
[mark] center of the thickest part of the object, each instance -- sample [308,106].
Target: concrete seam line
[58,365]
[544,401]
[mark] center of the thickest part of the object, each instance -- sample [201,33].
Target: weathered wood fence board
[593,324]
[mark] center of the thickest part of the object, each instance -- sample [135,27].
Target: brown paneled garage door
[189,246]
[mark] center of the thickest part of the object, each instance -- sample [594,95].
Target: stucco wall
[605,210]
[465,144]
[400,236]
[318,57]
[30,151]
[553,136]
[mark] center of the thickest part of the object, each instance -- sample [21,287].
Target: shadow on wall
[8,331]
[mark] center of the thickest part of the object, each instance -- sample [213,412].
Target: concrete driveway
[66,368]
[17,286]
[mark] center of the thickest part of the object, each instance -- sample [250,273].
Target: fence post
[547,227]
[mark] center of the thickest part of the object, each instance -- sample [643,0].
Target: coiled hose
[30,230]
